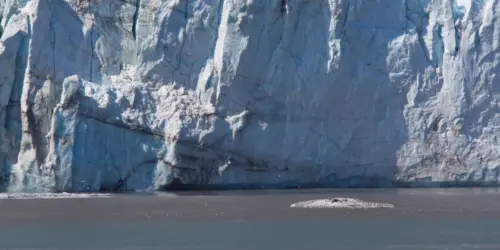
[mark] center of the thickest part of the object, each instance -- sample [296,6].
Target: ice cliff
[132,94]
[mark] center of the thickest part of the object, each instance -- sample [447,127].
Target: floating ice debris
[340,203]
[52,195]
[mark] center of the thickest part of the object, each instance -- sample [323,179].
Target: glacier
[112,95]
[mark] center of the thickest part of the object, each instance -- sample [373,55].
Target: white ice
[340,203]
[35,196]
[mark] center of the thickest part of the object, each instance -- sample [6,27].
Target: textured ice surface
[340,203]
[52,195]
[113,95]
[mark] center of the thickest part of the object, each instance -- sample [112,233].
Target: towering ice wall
[129,94]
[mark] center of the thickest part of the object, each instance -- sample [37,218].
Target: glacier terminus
[111,95]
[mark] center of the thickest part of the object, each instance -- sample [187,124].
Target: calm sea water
[424,219]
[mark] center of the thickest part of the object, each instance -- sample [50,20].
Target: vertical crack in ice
[135,18]
[420,33]
[183,38]
[438,45]
[53,41]
[344,37]
[2,6]
[283,7]
[91,39]
[186,11]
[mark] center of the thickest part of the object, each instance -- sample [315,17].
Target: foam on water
[53,195]
[340,203]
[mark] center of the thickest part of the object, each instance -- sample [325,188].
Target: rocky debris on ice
[340,203]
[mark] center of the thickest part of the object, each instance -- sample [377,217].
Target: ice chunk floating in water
[51,195]
[340,203]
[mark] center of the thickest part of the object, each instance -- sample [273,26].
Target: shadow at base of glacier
[347,184]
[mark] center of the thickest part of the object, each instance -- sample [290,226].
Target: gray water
[424,219]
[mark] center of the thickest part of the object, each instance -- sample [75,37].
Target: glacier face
[129,94]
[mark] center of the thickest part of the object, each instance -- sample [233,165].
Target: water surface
[423,219]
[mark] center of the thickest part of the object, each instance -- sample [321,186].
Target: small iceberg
[4,196]
[340,203]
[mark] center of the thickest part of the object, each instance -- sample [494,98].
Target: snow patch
[464,3]
[461,7]
[26,196]
[340,203]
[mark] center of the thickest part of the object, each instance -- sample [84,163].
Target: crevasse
[128,95]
